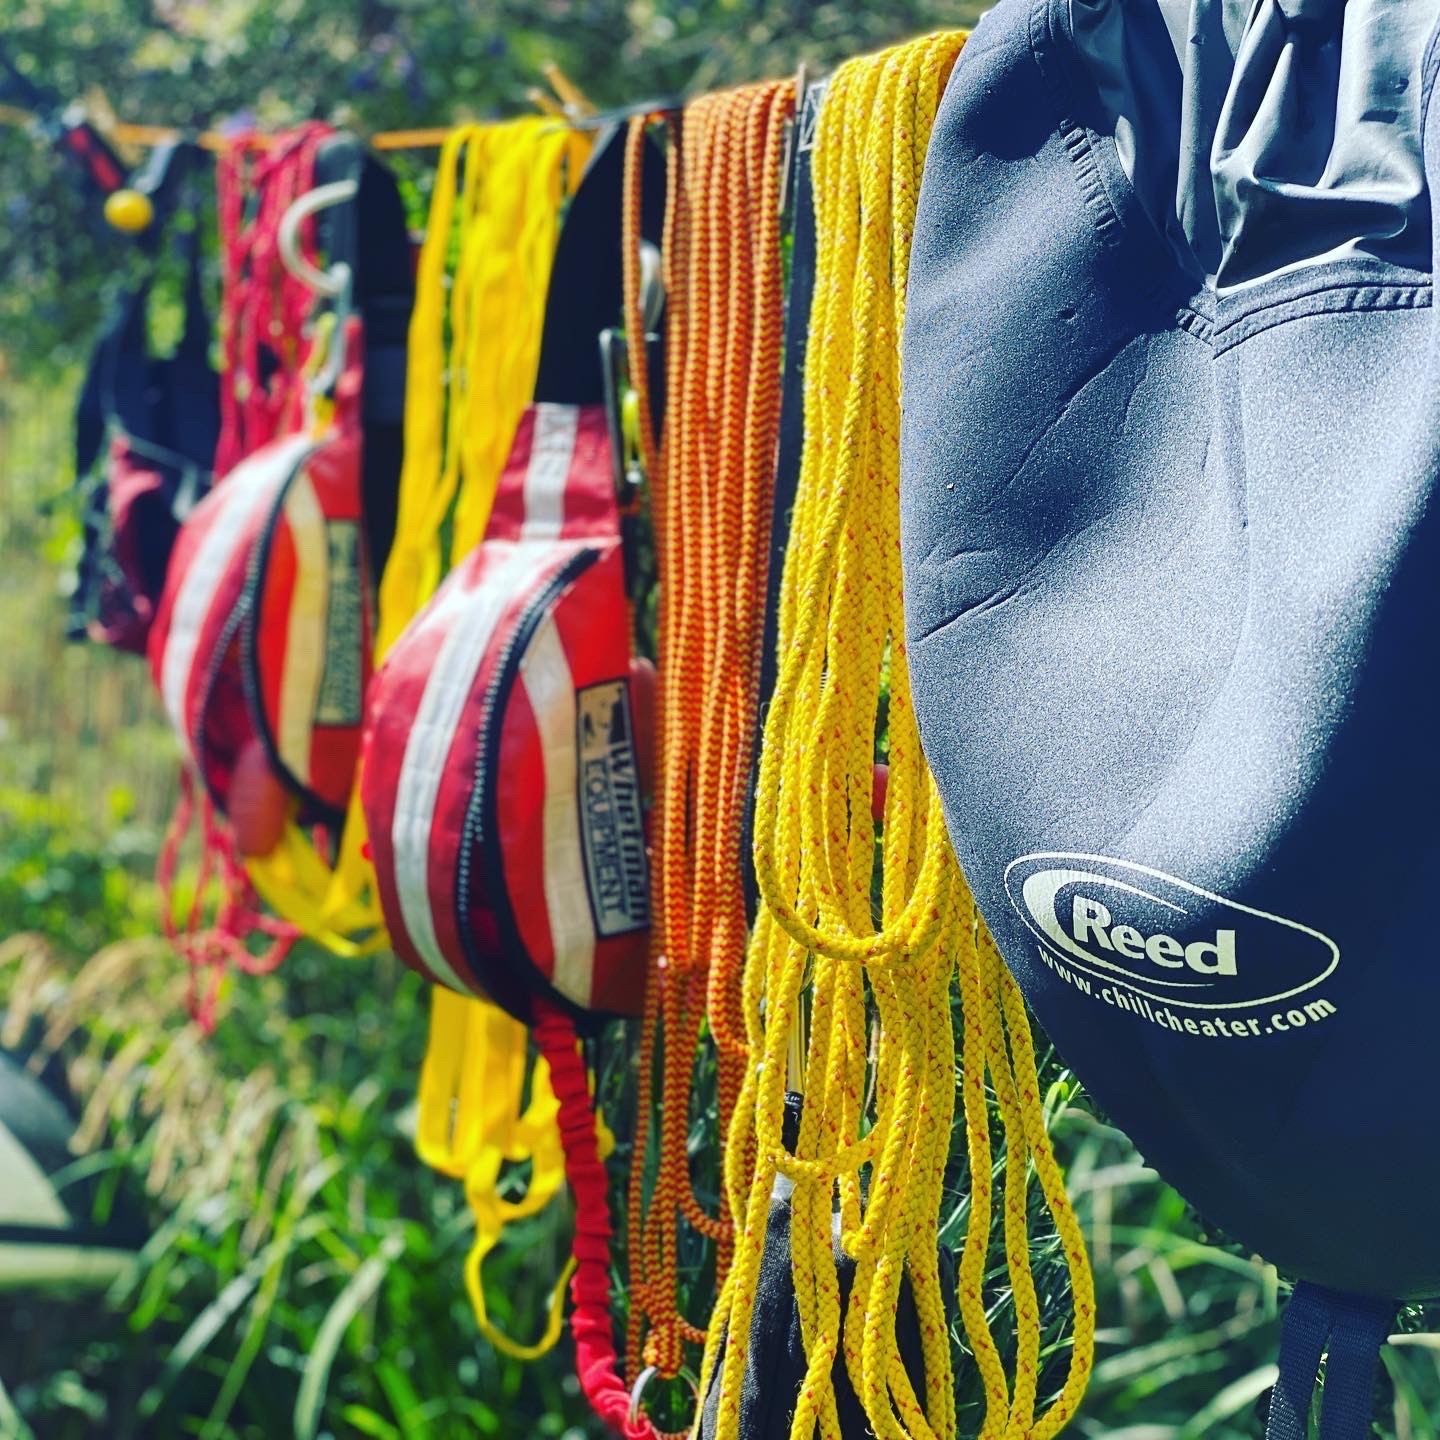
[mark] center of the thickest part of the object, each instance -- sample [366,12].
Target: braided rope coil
[880,1055]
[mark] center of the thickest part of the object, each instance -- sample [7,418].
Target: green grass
[304,1271]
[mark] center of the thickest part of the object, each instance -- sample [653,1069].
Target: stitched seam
[1073,135]
[1401,289]
[1156,276]
[1335,300]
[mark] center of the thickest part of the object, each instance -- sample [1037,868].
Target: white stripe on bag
[551,692]
[469,617]
[249,485]
[552,448]
[305,636]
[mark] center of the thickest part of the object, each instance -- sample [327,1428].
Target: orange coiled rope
[711,487]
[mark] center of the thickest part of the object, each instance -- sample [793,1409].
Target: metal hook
[329,283]
[328,375]
[333,284]
[638,1389]
[652,285]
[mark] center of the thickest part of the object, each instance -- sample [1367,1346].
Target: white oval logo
[1163,937]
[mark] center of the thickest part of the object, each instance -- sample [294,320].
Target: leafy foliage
[303,1267]
[377,64]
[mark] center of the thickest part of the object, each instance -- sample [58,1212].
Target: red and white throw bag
[263,633]
[500,777]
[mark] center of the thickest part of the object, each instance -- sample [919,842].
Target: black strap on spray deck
[1347,1331]
[792,431]
[369,233]
[776,1361]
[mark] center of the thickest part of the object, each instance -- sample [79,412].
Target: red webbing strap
[591,1320]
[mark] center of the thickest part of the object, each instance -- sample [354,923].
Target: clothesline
[572,103]
[147,136]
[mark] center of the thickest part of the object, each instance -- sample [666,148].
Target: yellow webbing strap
[473,1120]
[294,880]
[474,350]
[474,340]
[879,1069]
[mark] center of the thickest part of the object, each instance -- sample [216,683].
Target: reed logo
[1162,937]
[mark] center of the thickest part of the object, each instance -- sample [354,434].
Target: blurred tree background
[304,1270]
[372,64]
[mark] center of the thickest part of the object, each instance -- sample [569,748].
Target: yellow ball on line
[129,211]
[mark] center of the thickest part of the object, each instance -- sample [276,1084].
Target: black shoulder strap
[371,236]
[792,431]
[1348,1331]
[587,279]
[776,1361]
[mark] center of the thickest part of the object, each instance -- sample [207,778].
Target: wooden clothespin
[577,105]
[545,103]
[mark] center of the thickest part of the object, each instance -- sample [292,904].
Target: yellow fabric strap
[474,340]
[294,880]
[879,1057]
[474,1120]
[474,350]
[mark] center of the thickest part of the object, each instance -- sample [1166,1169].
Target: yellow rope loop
[997,1029]
[879,1074]
[1016,1201]
[1067,1224]
[973,1255]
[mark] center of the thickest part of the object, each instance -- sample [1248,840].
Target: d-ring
[646,1376]
[638,1389]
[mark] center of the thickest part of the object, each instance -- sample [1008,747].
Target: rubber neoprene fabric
[1172,418]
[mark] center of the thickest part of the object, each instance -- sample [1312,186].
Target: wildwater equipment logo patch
[1161,937]
[612,828]
[342,688]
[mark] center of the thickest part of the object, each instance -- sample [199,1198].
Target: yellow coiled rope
[879,1061]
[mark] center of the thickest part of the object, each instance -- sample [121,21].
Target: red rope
[263,307]
[210,949]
